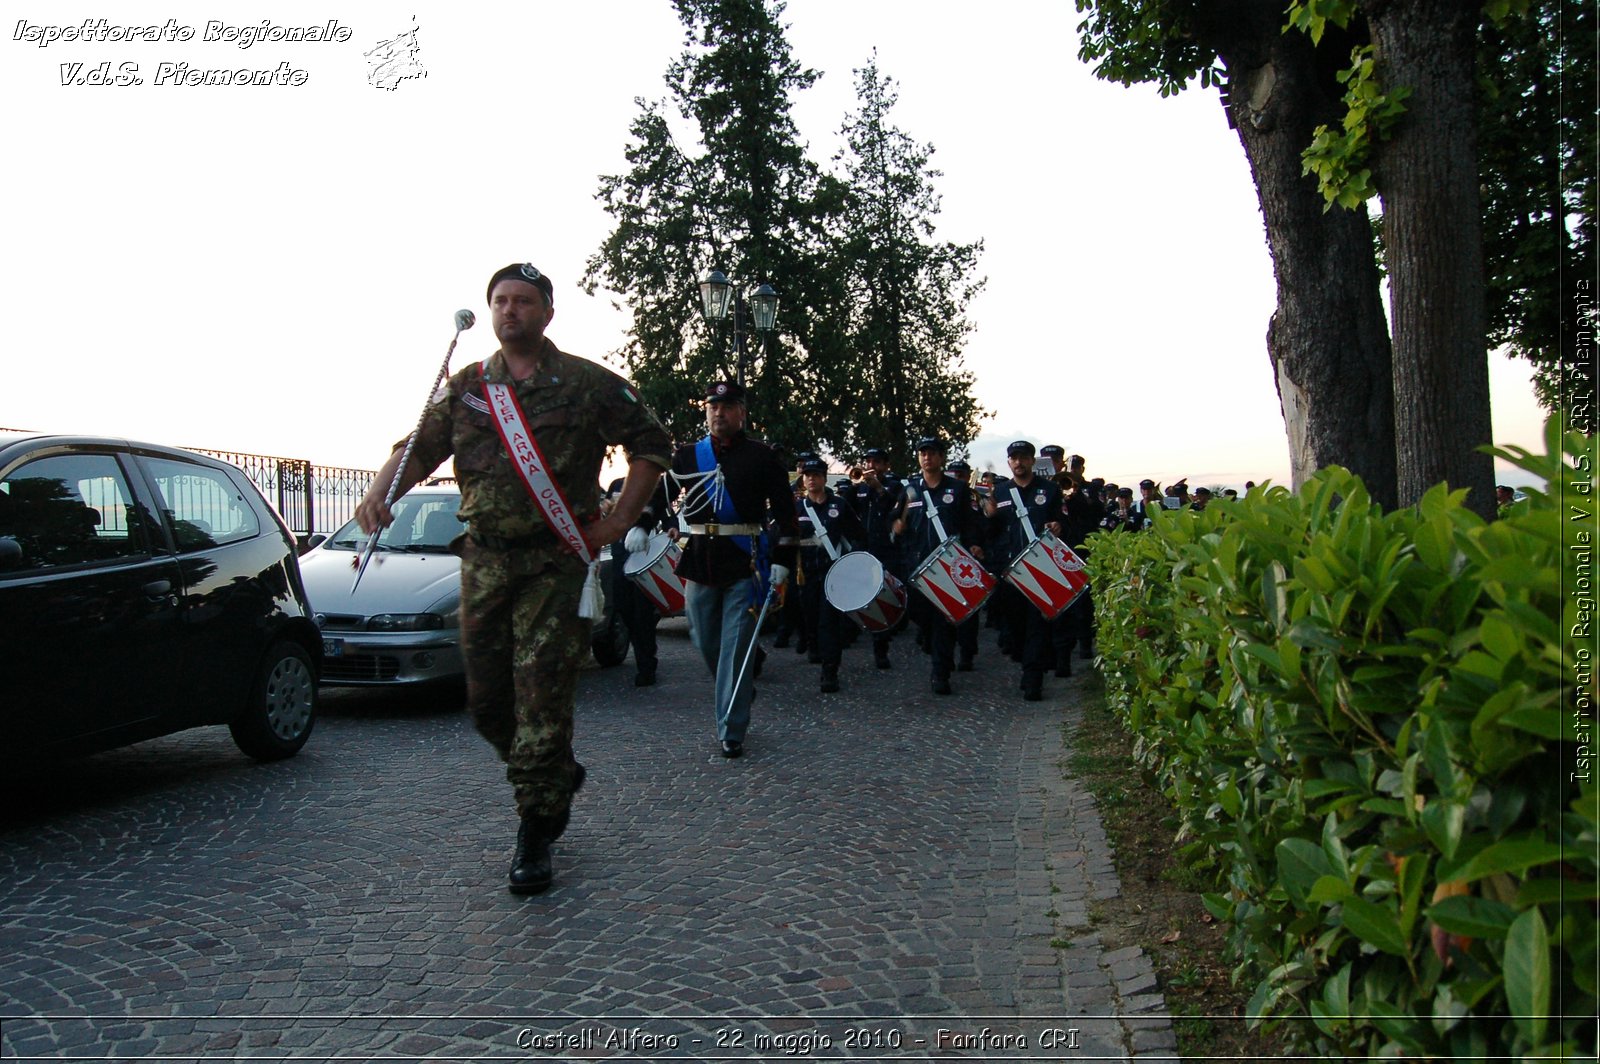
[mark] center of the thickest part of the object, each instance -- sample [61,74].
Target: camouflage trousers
[523,644]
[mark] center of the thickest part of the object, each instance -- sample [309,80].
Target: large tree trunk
[1328,341]
[1427,173]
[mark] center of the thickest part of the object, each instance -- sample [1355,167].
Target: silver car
[403,624]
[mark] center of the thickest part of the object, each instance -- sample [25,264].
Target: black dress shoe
[830,679]
[732,748]
[644,679]
[530,865]
[941,687]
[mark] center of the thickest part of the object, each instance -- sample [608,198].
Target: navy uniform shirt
[953,501]
[1042,501]
[840,523]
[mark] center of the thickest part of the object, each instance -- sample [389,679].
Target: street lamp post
[719,297]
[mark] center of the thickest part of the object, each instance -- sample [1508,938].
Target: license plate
[333,648]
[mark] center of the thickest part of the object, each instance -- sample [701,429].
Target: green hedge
[1364,722]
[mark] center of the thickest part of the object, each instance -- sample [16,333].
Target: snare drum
[655,570]
[858,585]
[953,580]
[1049,574]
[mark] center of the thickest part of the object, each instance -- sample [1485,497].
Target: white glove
[636,540]
[780,575]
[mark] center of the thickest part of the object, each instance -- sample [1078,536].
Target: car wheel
[283,705]
[609,641]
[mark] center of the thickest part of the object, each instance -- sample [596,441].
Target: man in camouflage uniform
[522,638]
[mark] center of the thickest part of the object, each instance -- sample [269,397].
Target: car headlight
[404,622]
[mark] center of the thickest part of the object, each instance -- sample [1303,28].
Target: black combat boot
[830,679]
[530,867]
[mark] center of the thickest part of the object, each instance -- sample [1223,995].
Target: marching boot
[830,679]
[531,872]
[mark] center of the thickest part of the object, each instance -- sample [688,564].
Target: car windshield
[423,524]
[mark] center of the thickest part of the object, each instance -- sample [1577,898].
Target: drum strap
[933,514]
[821,531]
[1022,515]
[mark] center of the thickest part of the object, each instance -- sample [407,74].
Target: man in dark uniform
[1022,504]
[733,483]
[829,529]
[638,612]
[1148,505]
[931,492]
[967,630]
[1083,513]
[788,610]
[522,638]
[878,497]
[1119,515]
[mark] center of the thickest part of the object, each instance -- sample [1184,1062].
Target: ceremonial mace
[464,321]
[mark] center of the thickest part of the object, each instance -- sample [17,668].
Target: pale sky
[274,269]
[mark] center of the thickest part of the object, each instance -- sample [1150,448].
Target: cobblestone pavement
[885,873]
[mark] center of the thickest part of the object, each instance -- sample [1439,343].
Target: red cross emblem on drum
[953,581]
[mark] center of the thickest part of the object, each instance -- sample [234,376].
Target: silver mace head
[464,320]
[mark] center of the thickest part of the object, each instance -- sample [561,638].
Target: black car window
[70,509]
[205,507]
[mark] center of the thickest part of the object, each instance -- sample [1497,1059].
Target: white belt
[722,530]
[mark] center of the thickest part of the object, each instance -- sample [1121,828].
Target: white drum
[858,585]
[655,570]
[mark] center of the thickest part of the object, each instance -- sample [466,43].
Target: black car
[144,590]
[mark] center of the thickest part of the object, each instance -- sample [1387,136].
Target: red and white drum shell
[859,586]
[1049,574]
[954,581]
[655,570]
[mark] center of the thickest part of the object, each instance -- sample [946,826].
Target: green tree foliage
[906,293]
[743,199]
[873,311]
[1537,146]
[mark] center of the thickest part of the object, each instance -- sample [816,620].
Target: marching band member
[878,497]
[828,529]
[739,481]
[1039,500]
[931,493]
[967,630]
[522,639]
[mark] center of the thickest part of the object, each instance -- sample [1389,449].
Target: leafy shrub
[1364,721]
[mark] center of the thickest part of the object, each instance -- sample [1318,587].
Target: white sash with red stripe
[531,466]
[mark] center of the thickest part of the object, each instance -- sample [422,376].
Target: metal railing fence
[311,498]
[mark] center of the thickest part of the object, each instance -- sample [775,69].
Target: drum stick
[464,320]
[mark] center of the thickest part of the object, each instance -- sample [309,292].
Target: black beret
[526,272]
[725,392]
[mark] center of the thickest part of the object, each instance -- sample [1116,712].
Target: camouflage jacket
[574,408]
